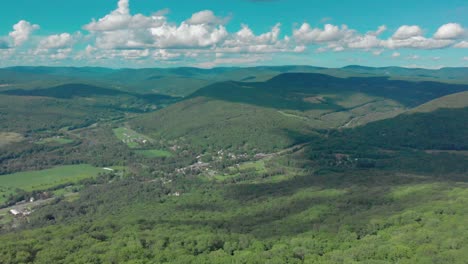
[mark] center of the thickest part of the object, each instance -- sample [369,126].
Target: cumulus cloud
[122,30]
[122,35]
[462,45]
[246,41]
[405,32]
[202,31]
[206,17]
[306,34]
[58,41]
[417,42]
[21,32]
[121,18]
[341,38]
[449,31]
[187,35]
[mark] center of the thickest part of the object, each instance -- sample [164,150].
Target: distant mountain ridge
[174,81]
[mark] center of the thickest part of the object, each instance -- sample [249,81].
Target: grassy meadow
[130,137]
[55,140]
[44,179]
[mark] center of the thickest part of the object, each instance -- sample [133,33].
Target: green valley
[290,164]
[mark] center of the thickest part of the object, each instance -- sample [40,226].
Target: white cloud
[412,37]
[121,30]
[353,40]
[202,31]
[300,49]
[308,35]
[465,58]
[339,39]
[406,32]
[462,45]
[246,41]
[121,18]
[21,32]
[417,42]
[187,35]
[203,37]
[380,30]
[396,54]
[364,42]
[449,31]
[206,17]
[58,41]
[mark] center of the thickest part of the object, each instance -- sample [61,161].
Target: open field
[258,166]
[131,138]
[44,179]
[8,137]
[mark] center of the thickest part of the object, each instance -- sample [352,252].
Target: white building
[15,212]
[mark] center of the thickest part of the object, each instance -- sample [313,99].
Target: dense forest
[301,167]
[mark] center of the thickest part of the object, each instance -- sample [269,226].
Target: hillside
[339,198]
[253,165]
[70,105]
[184,81]
[251,115]
[457,100]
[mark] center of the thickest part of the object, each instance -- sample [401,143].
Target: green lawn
[57,140]
[154,153]
[132,138]
[258,165]
[44,179]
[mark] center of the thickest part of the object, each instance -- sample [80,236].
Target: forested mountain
[255,114]
[290,164]
[186,80]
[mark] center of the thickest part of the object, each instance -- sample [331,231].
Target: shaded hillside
[444,129]
[432,143]
[457,100]
[71,105]
[68,91]
[408,93]
[251,115]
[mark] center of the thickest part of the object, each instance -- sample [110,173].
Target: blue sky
[210,33]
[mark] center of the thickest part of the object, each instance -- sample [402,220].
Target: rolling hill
[457,100]
[257,165]
[70,105]
[254,114]
[184,81]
